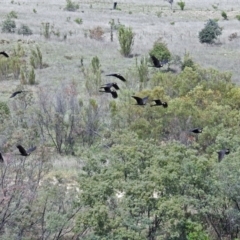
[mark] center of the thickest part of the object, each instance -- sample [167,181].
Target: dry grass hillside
[150,20]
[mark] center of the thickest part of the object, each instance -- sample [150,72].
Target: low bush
[24,30]
[71,6]
[8,25]
[96,33]
[126,40]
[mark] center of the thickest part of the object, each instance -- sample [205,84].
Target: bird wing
[145,100]
[193,130]
[31,149]
[158,101]
[22,150]
[1,158]
[115,86]
[155,61]
[165,61]
[106,89]
[221,154]
[138,99]
[114,94]
[4,54]
[15,93]
[117,76]
[108,85]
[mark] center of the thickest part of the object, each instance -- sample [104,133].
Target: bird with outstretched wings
[140,101]
[24,152]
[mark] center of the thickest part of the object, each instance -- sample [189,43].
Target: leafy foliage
[224,15]
[78,20]
[126,40]
[181,4]
[210,32]
[8,25]
[160,51]
[24,30]
[13,65]
[36,58]
[188,62]
[71,6]
[141,173]
[12,14]
[238,17]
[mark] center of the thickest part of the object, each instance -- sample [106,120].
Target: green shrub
[71,6]
[210,32]
[95,64]
[181,4]
[8,25]
[159,14]
[160,51]
[142,69]
[32,77]
[215,7]
[238,17]
[92,76]
[126,40]
[224,15]
[4,109]
[45,30]
[188,62]
[24,30]
[12,14]
[36,58]
[78,20]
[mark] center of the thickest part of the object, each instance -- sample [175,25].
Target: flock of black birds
[108,88]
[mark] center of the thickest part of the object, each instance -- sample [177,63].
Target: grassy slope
[140,15]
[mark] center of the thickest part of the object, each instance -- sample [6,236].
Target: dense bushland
[142,174]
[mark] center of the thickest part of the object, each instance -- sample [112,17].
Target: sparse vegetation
[210,32]
[232,36]
[96,33]
[159,14]
[238,17]
[215,7]
[24,30]
[31,77]
[36,60]
[45,30]
[181,4]
[71,6]
[12,14]
[126,40]
[92,75]
[10,68]
[224,15]
[78,20]
[188,62]
[143,72]
[8,25]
